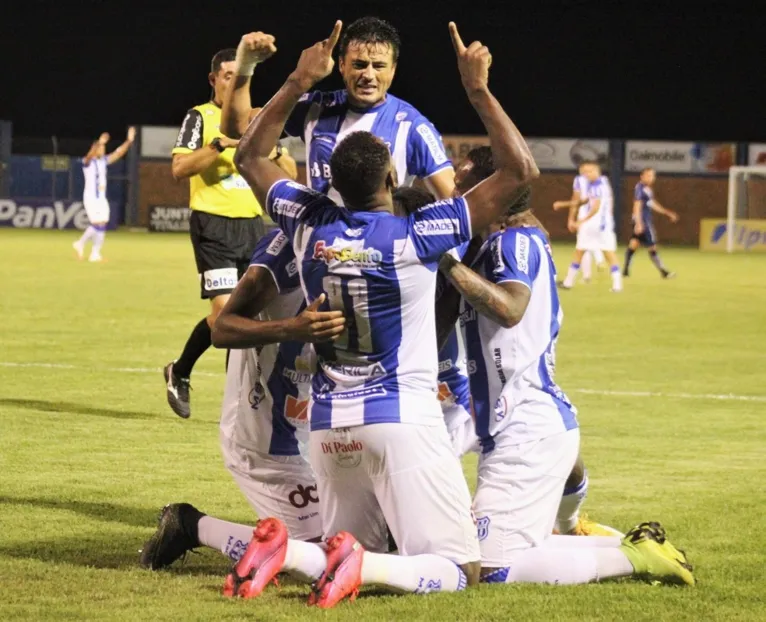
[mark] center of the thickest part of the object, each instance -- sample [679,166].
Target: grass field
[89,451]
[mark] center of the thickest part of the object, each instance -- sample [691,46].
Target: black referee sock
[199,341]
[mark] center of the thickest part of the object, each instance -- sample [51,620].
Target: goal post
[746,199]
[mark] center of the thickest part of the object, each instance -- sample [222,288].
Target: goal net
[747,198]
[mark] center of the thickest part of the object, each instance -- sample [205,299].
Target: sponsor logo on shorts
[445,365]
[497,357]
[295,376]
[256,395]
[482,527]
[471,367]
[433,143]
[292,268]
[302,496]
[438,226]
[221,278]
[277,244]
[352,254]
[346,455]
[290,209]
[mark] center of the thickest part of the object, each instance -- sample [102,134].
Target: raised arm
[238,111]
[252,157]
[514,165]
[120,152]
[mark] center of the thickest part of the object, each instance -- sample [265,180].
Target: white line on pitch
[157,370]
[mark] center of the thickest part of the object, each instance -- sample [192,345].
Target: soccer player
[368,54]
[511,316]
[576,205]
[264,414]
[476,167]
[644,204]
[225,223]
[378,444]
[595,228]
[94,196]
[454,391]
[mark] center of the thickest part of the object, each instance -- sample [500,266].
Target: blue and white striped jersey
[511,370]
[601,189]
[323,119]
[379,269]
[95,179]
[453,379]
[265,405]
[580,185]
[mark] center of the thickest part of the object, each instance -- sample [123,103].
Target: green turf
[89,454]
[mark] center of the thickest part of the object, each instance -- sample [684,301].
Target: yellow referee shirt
[219,189]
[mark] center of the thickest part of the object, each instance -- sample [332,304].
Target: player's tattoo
[486,298]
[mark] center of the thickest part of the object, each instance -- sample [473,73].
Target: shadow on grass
[111,551]
[74,409]
[126,515]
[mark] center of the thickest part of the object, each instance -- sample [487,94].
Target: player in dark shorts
[644,204]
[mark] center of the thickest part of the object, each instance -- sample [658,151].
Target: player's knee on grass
[473,572]
[577,475]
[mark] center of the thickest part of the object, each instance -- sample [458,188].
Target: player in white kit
[511,316]
[378,444]
[576,205]
[595,227]
[264,414]
[94,166]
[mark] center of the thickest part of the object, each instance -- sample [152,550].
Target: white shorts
[592,239]
[97,210]
[282,487]
[462,430]
[518,493]
[401,475]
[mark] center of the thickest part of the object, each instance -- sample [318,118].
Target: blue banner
[24,213]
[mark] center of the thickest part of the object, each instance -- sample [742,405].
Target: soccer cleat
[343,575]
[170,542]
[78,249]
[587,527]
[96,259]
[177,392]
[654,558]
[262,561]
[667,274]
[560,285]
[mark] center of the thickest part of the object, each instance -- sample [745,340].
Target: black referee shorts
[222,249]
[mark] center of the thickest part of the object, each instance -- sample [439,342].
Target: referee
[226,220]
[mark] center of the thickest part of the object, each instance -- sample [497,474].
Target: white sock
[98,242]
[305,561]
[563,566]
[229,538]
[571,274]
[86,235]
[599,257]
[416,574]
[616,278]
[569,507]
[581,542]
[586,266]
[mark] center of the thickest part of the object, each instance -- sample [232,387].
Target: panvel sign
[749,235]
[42,214]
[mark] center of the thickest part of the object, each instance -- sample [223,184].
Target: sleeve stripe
[514,281]
[273,276]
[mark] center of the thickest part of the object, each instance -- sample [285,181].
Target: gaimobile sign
[749,235]
[41,214]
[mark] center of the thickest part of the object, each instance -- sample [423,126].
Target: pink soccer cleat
[343,575]
[262,561]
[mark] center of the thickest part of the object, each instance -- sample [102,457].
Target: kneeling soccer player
[510,315]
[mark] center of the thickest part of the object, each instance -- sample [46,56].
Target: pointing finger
[332,41]
[457,42]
